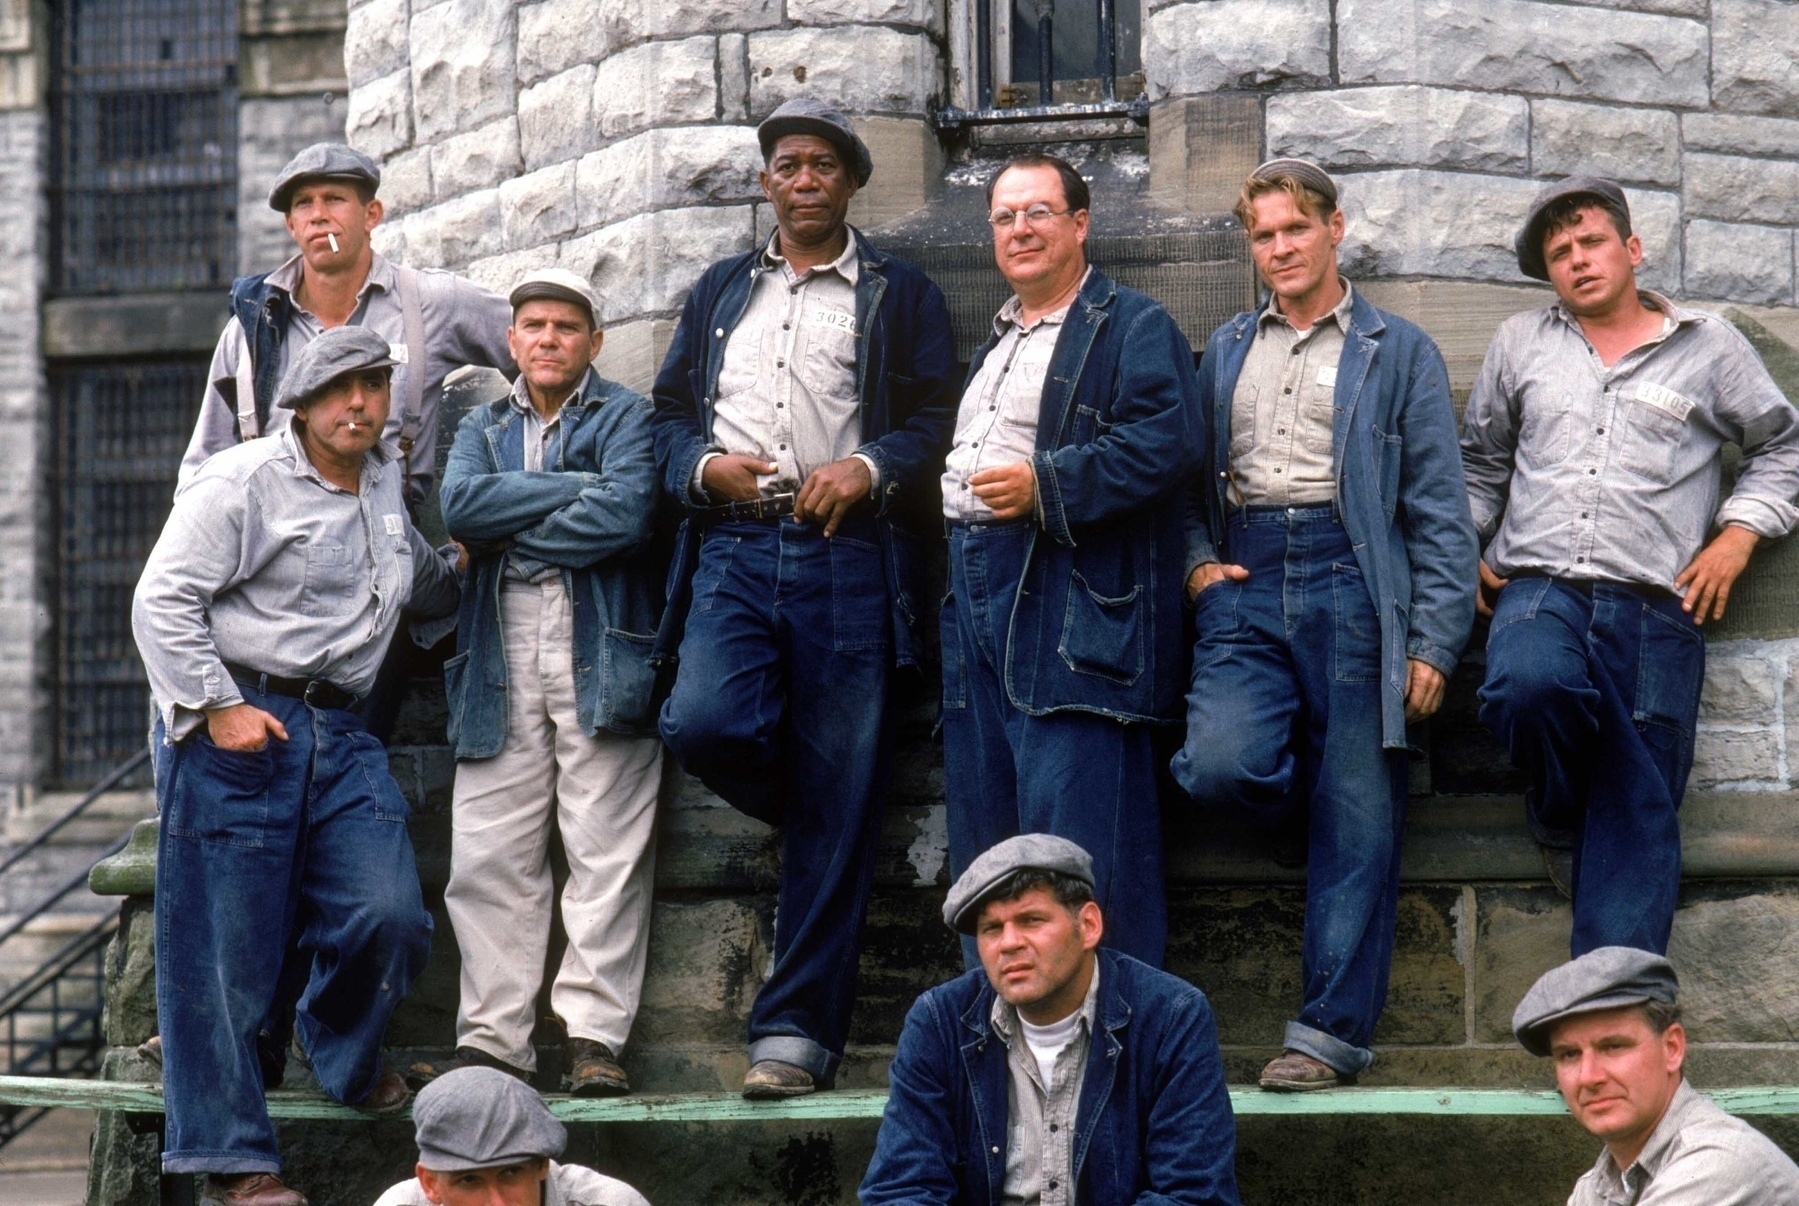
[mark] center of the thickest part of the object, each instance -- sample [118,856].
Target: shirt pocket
[1654,429]
[331,581]
[1243,420]
[828,366]
[1317,415]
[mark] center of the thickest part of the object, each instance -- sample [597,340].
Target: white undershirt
[1047,1042]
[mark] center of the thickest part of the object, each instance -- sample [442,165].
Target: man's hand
[1010,491]
[1424,688]
[1210,574]
[1711,574]
[242,727]
[461,556]
[1490,586]
[733,478]
[829,493]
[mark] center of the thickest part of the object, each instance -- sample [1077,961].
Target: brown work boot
[389,1096]
[1297,1072]
[771,1080]
[426,1071]
[592,1070]
[249,1189]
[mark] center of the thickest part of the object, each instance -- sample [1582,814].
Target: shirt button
[779,405]
[1581,560]
[783,448]
[787,326]
[996,1151]
[1288,390]
[1583,514]
[1282,431]
[1296,351]
[1591,472]
[1053,1128]
[1053,1184]
[780,364]
[1600,430]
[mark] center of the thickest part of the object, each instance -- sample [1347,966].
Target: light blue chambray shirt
[1697,1156]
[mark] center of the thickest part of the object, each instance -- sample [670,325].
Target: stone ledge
[135,324]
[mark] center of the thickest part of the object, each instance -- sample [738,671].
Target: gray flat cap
[1529,243]
[334,353]
[483,1118]
[1302,171]
[555,284]
[1035,851]
[1606,978]
[804,115]
[323,161]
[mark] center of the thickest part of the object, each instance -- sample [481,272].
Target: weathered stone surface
[1215,45]
[501,272]
[294,65]
[707,959]
[633,351]
[925,14]
[909,159]
[1738,957]
[667,168]
[1402,126]
[1655,219]
[1754,67]
[462,66]
[406,181]
[557,34]
[733,77]
[124,1167]
[389,239]
[645,265]
[1569,139]
[270,131]
[1523,46]
[479,159]
[1672,8]
[1740,135]
[1735,188]
[455,232]
[555,118]
[375,40]
[1735,756]
[539,207]
[1420,223]
[658,83]
[1741,263]
[679,18]
[1739,688]
[379,121]
[129,1016]
[22,81]
[1520,934]
[862,68]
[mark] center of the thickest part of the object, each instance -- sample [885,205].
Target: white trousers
[601,791]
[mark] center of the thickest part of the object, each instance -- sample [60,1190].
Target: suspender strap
[412,320]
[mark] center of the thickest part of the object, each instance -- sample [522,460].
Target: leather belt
[315,692]
[775,506]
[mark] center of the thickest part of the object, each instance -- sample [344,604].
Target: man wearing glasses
[1062,643]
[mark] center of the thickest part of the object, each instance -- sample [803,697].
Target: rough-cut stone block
[1572,139]
[910,156]
[269,131]
[1754,64]
[406,181]
[1201,148]
[925,14]
[1402,126]
[379,121]
[1214,45]
[129,1016]
[678,18]
[1671,8]
[707,960]
[665,169]
[539,207]
[462,66]
[21,82]
[1739,966]
[555,118]
[479,159]
[1523,46]
[861,68]
[389,239]
[658,83]
[1739,689]
[1737,134]
[646,265]
[1722,756]
[1418,223]
[1655,219]
[501,272]
[1733,262]
[456,232]
[1520,934]
[557,34]
[733,77]
[1735,188]
[633,352]
[375,40]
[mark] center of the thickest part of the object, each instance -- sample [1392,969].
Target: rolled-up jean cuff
[222,1164]
[800,1052]
[1346,1058]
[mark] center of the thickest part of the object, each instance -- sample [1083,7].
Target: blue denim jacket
[904,358]
[1154,1122]
[1096,624]
[1400,489]
[592,514]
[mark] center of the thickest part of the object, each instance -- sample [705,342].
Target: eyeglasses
[1002,218]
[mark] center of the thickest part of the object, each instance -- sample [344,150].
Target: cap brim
[1535,1037]
[776,128]
[294,403]
[546,291]
[443,1162]
[283,196]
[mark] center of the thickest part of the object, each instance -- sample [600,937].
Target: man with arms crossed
[1102,1074]
[1329,553]
[1610,1022]
[554,492]
[262,615]
[1593,443]
[799,411]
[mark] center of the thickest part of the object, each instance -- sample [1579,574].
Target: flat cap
[1529,243]
[555,284]
[1032,851]
[1302,171]
[323,161]
[1607,978]
[806,115]
[334,353]
[483,1118]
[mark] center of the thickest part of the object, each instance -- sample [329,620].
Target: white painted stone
[1735,262]
[1406,125]
[924,14]
[406,181]
[1738,690]
[1523,46]
[555,118]
[455,233]
[539,207]
[1423,223]
[1568,138]
[668,169]
[861,68]
[501,272]
[733,77]
[1735,188]
[557,34]
[1740,135]
[657,83]
[479,159]
[645,265]
[1723,757]
[379,121]
[1214,45]
[375,40]
[1755,55]
[679,18]
[1655,219]
[462,66]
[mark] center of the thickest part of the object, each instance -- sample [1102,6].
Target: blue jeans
[1079,775]
[1284,727]
[781,708]
[1594,690]
[306,837]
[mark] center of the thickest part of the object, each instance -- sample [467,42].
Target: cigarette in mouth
[333,239]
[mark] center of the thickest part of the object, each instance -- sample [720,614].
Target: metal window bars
[1041,33]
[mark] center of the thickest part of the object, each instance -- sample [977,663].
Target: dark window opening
[1076,49]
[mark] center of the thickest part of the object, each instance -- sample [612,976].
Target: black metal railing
[1083,51]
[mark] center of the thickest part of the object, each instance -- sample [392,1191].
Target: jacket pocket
[1103,635]
[455,691]
[627,681]
[1387,458]
[1356,655]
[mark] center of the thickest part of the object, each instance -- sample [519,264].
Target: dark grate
[121,429]
[145,98]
